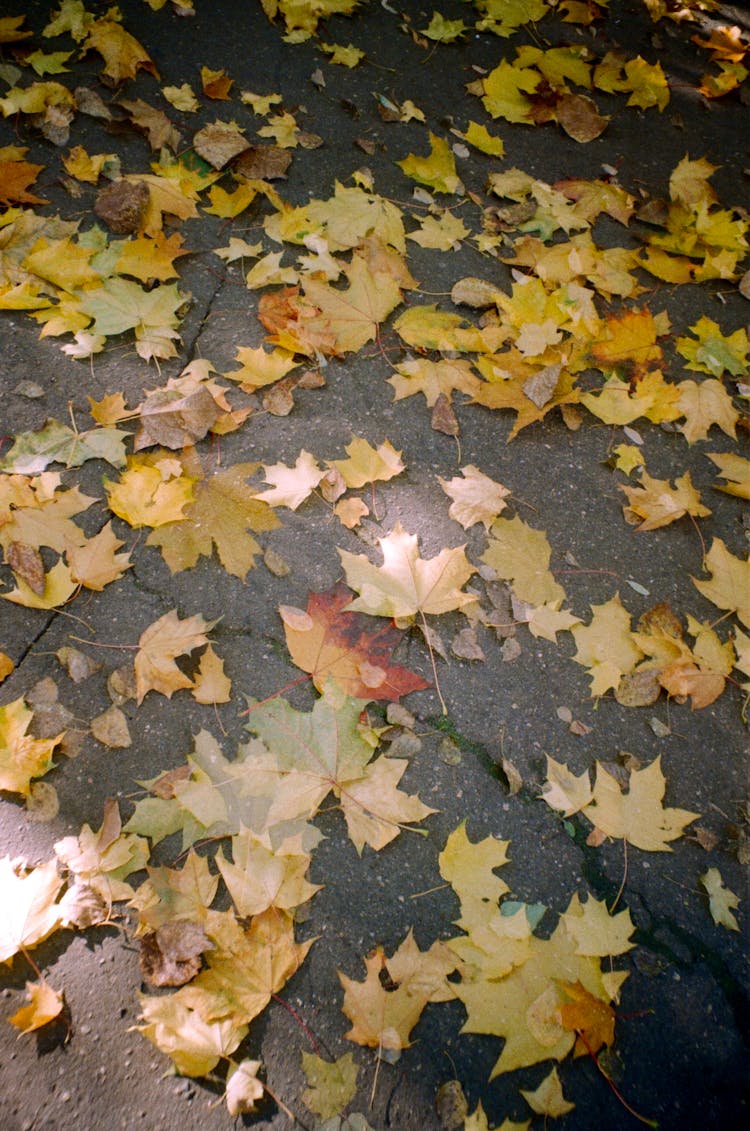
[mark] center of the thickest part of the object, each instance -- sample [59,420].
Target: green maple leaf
[120,305]
[310,754]
[33,452]
[332,1085]
[712,352]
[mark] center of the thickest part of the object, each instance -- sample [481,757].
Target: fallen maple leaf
[196,1046]
[15,178]
[258,877]
[736,470]
[704,405]
[123,55]
[28,911]
[476,497]
[331,1085]
[655,503]
[406,584]
[438,171]
[729,588]
[366,464]
[638,815]
[220,515]
[606,645]
[309,754]
[721,900]
[246,966]
[290,486]
[22,757]
[333,644]
[96,563]
[469,866]
[152,491]
[521,555]
[548,1098]
[44,1005]
[244,1089]
[158,647]
[383,1013]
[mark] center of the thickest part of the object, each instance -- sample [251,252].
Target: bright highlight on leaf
[406,584]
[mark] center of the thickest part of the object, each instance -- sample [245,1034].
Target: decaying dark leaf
[263,163]
[443,417]
[122,206]
[26,562]
[171,955]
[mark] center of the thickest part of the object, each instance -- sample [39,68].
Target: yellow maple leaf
[736,470]
[244,1089]
[259,367]
[617,403]
[85,166]
[152,491]
[22,757]
[637,816]
[367,464]
[181,97]
[442,234]
[476,497]
[195,1045]
[721,900]
[406,584]
[353,315]
[433,379]
[384,1017]
[596,930]
[469,866]
[548,1098]
[11,30]
[704,405]
[348,56]
[523,1006]
[220,515]
[158,647]
[655,502]
[147,258]
[258,877]
[438,171]
[44,1005]
[729,588]
[290,486]
[481,138]
[62,262]
[565,791]
[96,562]
[246,967]
[122,53]
[28,912]
[521,555]
[211,685]
[606,645]
[331,1085]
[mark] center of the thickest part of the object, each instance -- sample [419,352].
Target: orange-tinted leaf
[333,644]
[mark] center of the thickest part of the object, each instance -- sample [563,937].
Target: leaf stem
[426,631]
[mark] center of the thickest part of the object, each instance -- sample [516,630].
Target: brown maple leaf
[333,644]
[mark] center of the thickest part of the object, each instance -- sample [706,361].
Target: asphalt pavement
[680,1055]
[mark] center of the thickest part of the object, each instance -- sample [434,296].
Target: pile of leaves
[571,333]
